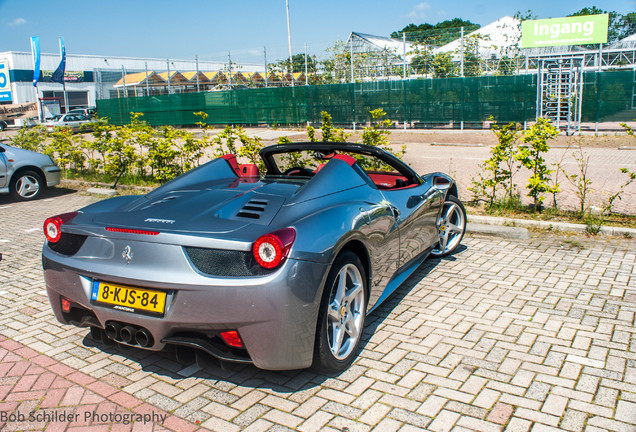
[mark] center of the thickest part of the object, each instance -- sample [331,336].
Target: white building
[87,79]
[495,40]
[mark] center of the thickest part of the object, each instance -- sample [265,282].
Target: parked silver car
[72,120]
[26,174]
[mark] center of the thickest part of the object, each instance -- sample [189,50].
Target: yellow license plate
[129,299]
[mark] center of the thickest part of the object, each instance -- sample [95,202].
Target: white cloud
[419,11]
[17,22]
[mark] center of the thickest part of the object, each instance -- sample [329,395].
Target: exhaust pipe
[128,334]
[143,338]
[112,330]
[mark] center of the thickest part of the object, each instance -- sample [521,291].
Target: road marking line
[32,230]
[4,241]
[5,207]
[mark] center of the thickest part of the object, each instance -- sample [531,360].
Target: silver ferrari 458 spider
[275,264]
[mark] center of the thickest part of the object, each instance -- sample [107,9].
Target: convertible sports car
[276,269]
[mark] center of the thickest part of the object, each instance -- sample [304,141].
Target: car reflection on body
[277,269]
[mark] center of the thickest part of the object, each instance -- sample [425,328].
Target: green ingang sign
[578,30]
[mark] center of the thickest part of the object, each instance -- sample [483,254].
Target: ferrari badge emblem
[127,254]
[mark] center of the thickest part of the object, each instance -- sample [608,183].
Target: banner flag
[35,51]
[58,75]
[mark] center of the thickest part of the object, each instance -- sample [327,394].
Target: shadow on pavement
[49,193]
[165,362]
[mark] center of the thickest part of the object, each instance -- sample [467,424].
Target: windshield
[314,160]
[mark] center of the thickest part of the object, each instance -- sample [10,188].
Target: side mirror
[441,183]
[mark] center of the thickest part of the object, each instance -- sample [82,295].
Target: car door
[416,208]
[383,243]
[72,121]
[3,169]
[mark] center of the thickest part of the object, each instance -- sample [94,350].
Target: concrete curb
[456,144]
[480,221]
[102,192]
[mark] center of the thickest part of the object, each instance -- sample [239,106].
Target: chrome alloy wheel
[345,313]
[451,226]
[27,186]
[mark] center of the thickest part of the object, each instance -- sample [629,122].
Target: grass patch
[512,208]
[125,180]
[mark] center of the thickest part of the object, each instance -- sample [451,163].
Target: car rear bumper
[275,315]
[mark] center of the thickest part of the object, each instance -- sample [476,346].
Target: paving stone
[626,412]
[506,334]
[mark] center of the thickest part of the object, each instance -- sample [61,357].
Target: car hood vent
[253,209]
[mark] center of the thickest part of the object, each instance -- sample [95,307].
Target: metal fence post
[168,65]
[461,103]
[147,85]
[196,58]
[123,77]
[351,55]
[461,72]
[229,66]
[265,59]
[353,105]
[306,69]
[598,101]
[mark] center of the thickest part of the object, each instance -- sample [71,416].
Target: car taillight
[132,231]
[232,338]
[271,249]
[53,225]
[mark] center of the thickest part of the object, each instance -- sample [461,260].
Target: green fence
[607,96]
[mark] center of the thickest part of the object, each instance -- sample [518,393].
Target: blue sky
[209,28]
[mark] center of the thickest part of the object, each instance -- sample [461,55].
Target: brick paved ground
[39,393]
[506,335]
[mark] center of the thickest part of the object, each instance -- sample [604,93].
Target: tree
[442,66]
[438,34]
[298,64]
[422,60]
[499,170]
[614,31]
[628,25]
[335,66]
[471,54]
[531,156]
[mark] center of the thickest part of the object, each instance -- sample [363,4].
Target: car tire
[341,316]
[26,185]
[451,227]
